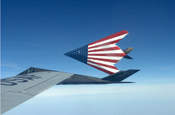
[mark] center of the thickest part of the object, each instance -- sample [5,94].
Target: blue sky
[38,32]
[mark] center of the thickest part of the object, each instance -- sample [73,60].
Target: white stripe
[102,62]
[106,52]
[109,40]
[107,57]
[106,68]
[102,47]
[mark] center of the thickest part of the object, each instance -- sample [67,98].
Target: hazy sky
[38,32]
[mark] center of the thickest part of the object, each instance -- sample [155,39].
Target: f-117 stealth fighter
[101,54]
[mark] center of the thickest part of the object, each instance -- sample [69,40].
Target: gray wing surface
[18,89]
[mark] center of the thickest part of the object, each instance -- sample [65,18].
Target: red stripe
[112,42]
[110,54]
[106,49]
[106,71]
[107,60]
[109,66]
[111,36]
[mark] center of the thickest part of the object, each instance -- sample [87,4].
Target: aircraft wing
[18,89]
[15,90]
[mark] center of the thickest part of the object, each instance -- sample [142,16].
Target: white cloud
[120,99]
[33,44]
[120,89]
[12,65]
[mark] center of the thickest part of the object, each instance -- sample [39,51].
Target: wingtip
[135,70]
[125,31]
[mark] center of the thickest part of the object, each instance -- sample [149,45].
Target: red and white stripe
[103,54]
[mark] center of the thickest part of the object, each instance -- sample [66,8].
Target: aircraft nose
[79,54]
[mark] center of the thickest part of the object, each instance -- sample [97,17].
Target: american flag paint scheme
[101,54]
